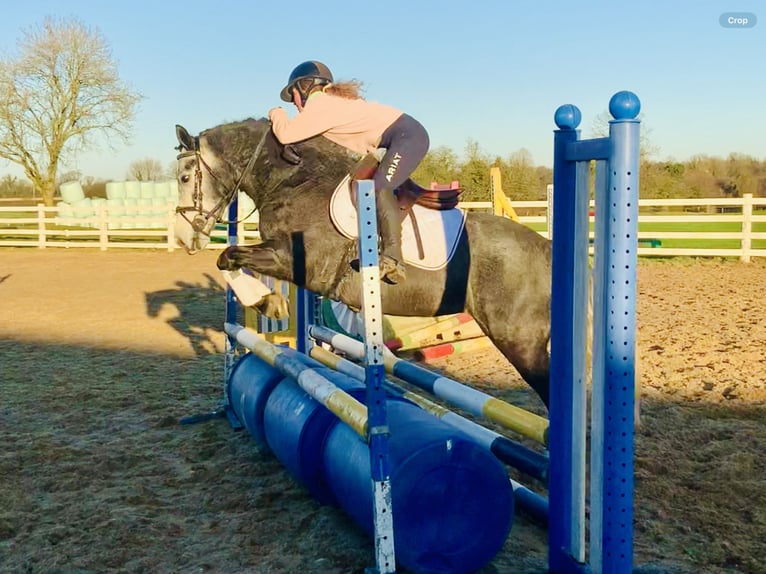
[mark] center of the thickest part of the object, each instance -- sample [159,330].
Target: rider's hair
[351,90]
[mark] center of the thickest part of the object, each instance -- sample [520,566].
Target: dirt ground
[101,354]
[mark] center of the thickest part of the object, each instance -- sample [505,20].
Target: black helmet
[313,70]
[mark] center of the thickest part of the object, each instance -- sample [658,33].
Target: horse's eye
[185,179]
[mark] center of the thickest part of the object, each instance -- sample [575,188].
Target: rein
[201,221]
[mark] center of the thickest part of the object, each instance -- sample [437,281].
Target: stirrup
[391,271]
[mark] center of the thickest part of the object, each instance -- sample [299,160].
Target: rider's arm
[316,118]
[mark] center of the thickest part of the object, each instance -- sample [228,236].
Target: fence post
[171,226]
[103,232]
[41,234]
[747,227]
[549,209]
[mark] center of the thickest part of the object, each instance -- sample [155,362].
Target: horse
[499,272]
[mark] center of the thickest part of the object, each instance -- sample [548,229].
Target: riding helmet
[314,70]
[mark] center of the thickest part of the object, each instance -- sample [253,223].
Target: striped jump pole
[415,338]
[506,450]
[474,401]
[344,406]
[452,348]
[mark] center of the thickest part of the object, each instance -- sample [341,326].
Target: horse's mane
[313,166]
[234,140]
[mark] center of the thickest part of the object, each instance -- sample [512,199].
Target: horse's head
[200,197]
[205,188]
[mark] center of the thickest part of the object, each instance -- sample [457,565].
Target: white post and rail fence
[700,227]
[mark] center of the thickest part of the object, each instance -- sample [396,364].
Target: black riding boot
[390,231]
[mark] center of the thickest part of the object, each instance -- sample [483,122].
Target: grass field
[660,228]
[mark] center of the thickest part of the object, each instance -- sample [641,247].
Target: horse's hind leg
[533,364]
[525,344]
[535,371]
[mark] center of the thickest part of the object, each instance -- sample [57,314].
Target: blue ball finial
[624,106]
[567,117]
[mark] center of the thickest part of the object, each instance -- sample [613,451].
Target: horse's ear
[185,141]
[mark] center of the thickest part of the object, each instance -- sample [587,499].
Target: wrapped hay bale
[147,189]
[115,212]
[83,208]
[115,190]
[162,189]
[71,192]
[132,189]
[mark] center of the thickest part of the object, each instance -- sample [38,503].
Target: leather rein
[200,222]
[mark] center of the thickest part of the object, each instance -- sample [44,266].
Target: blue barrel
[296,425]
[452,500]
[250,383]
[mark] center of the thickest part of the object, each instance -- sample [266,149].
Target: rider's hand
[275,112]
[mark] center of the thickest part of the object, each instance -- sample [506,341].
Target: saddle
[439,197]
[409,194]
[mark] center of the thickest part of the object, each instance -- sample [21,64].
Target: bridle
[200,223]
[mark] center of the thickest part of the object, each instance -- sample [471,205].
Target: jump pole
[344,406]
[506,450]
[614,322]
[472,400]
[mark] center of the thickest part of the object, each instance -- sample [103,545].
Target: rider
[338,112]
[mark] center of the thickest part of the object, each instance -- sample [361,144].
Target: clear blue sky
[490,71]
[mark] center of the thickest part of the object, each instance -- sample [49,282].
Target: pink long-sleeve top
[355,124]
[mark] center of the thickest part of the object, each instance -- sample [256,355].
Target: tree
[10,186]
[146,169]
[439,165]
[474,174]
[172,169]
[520,178]
[61,94]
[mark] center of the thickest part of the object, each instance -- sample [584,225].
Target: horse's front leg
[263,259]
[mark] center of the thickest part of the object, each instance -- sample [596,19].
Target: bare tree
[600,129]
[171,171]
[10,186]
[146,169]
[61,94]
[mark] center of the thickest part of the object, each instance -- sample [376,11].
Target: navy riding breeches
[406,142]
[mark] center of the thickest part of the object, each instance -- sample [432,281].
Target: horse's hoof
[273,306]
[225,261]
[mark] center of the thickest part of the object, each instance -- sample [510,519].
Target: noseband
[201,220]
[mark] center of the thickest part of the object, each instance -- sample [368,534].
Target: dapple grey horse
[500,272]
